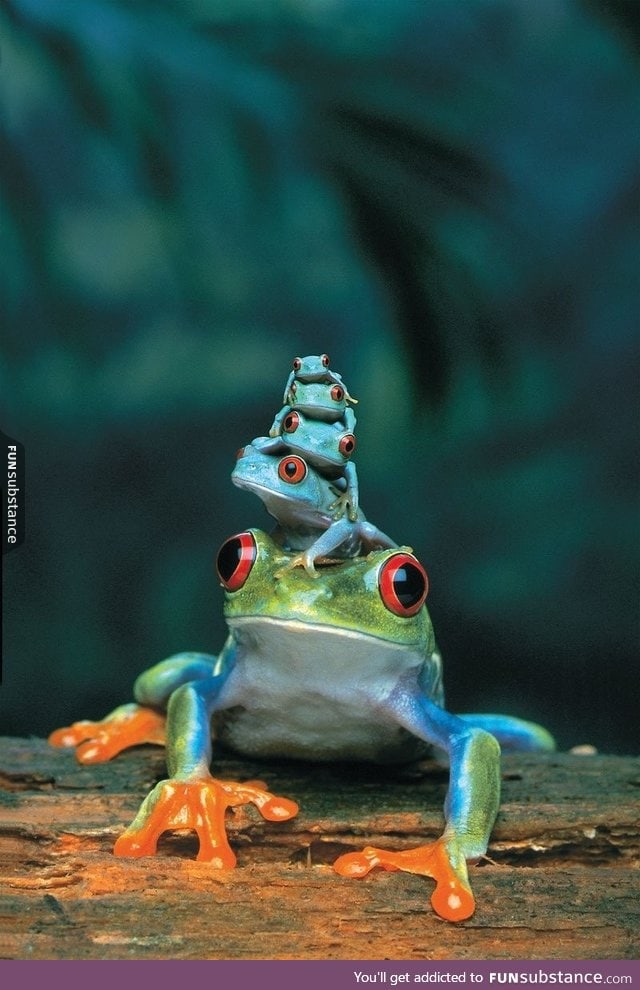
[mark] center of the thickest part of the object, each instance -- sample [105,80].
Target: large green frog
[341,667]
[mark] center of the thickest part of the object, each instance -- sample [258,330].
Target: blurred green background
[443,197]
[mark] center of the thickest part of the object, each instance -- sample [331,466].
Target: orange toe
[97,742]
[452,898]
[198,805]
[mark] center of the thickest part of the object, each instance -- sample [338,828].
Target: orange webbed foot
[452,898]
[199,805]
[97,742]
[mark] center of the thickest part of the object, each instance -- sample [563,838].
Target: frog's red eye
[235,559]
[292,469]
[325,360]
[337,393]
[347,445]
[239,453]
[297,364]
[403,584]
[291,422]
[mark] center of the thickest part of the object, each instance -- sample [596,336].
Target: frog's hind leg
[513,734]
[134,724]
[155,686]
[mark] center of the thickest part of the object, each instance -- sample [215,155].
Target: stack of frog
[334,663]
[303,470]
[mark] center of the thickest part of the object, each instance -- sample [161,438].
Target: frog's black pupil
[229,557]
[408,584]
[290,469]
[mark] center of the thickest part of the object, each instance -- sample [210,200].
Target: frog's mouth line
[254,486]
[301,627]
[305,510]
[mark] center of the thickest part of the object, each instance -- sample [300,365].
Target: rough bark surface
[561,881]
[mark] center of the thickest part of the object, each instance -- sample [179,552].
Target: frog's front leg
[276,426]
[470,809]
[343,535]
[348,500]
[134,724]
[191,798]
[349,418]
[352,493]
[273,444]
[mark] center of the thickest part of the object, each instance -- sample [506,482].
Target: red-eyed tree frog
[344,667]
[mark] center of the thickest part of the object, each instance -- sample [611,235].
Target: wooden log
[561,880]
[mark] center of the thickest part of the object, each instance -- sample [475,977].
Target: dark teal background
[443,197]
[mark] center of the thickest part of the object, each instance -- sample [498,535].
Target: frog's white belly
[307,691]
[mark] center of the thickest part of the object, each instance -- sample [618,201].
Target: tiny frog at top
[339,665]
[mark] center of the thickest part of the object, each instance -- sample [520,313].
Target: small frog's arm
[191,798]
[276,426]
[348,499]
[273,444]
[352,490]
[290,380]
[350,538]
[470,808]
[349,418]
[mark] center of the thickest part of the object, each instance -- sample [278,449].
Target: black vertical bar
[13,472]
[1,606]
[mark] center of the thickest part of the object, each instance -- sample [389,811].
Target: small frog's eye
[239,453]
[347,445]
[297,364]
[403,584]
[235,559]
[325,360]
[337,393]
[292,469]
[291,422]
